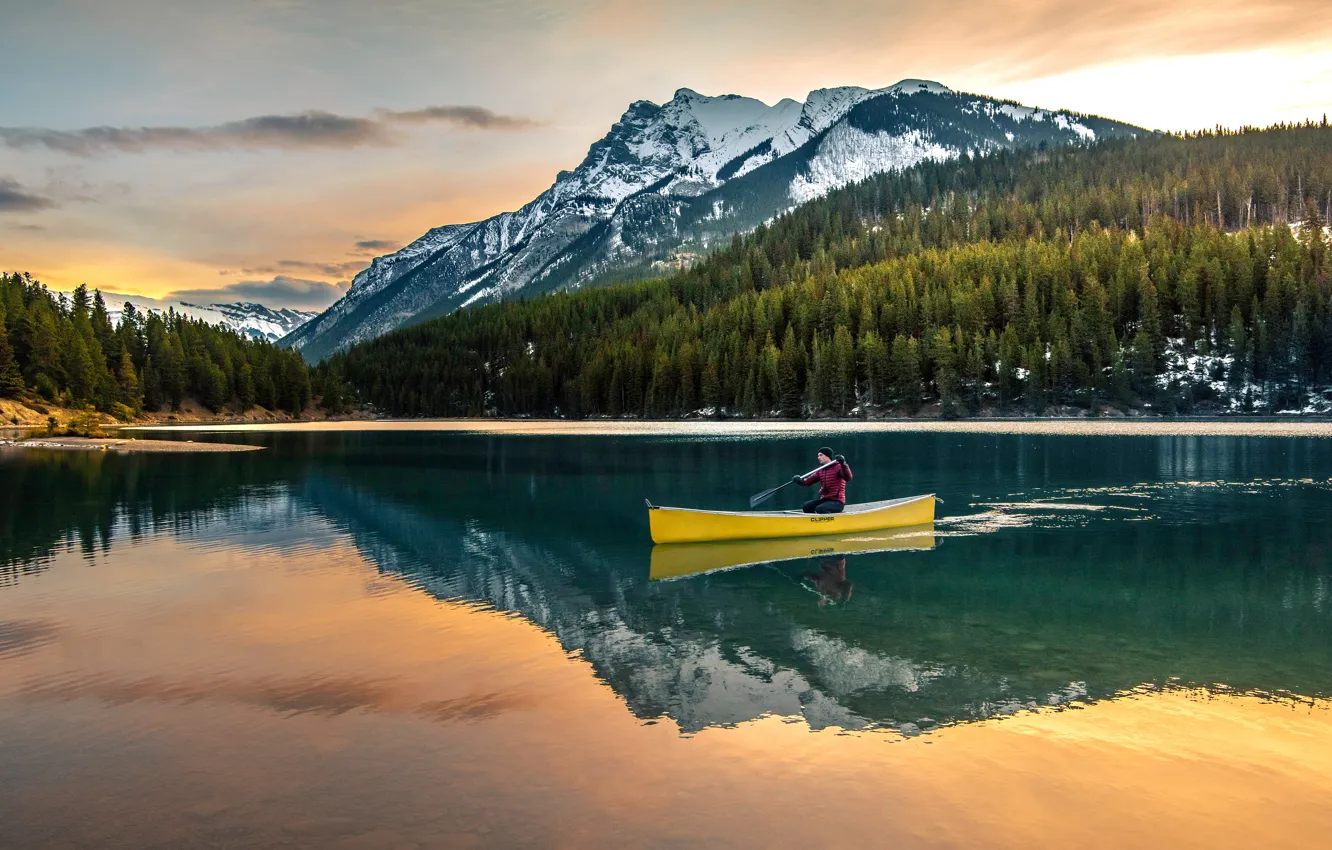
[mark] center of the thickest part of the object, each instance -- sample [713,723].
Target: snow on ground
[847,155]
[1016,111]
[1083,131]
[1213,371]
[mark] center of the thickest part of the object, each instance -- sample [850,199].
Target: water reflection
[1074,568]
[678,560]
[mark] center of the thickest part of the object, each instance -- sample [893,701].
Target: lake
[405,637]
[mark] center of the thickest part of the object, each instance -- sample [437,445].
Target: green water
[1064,565]
[1065,570]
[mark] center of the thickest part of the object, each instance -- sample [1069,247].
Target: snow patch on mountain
[848,155]
[248,319]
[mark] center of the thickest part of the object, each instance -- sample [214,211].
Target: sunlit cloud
[312,129]
[328,269]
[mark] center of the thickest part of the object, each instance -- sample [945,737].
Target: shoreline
[123,445]
[1229,426]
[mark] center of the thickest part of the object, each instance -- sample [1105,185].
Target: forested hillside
[66,351]
[1176,273]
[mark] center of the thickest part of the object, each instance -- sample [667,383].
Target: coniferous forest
[66,351]
[1181,274]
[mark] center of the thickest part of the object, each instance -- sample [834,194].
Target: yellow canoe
[677,560]
[683,525]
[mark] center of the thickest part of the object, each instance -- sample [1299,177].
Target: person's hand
[840,459]
[796,479]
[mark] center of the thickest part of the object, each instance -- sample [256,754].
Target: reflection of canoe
[675,560]
[682,525]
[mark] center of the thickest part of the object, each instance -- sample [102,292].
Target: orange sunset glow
[463,694]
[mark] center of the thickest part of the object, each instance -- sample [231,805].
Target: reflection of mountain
[1213,590]
[997,626]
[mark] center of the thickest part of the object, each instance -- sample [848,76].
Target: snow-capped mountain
[245,318]
[686,173]
[250,319]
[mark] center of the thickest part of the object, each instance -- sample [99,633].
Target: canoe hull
[682,525]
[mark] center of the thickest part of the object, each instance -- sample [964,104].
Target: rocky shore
[103,444]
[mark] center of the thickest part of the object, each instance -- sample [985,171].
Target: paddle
[768,494]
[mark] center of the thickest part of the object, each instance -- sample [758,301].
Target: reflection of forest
[50,500]
[982,625]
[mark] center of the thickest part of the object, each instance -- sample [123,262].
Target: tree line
[67,351]
[1169,272]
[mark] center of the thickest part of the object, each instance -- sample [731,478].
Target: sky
[266,150]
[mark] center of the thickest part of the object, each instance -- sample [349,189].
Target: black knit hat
[826,452]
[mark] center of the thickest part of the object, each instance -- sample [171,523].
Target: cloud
[474,117]
[303,130]
[370,246]
[280,291]
[15,199]
[330,269]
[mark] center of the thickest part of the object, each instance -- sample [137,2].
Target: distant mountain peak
[681,175]
[916,86]
[247,318]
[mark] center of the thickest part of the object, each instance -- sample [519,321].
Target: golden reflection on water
[184,695]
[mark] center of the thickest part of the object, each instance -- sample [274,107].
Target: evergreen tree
[788,375]
[906,373]
[842,383]
[11,379]
[711,388]
[131,393]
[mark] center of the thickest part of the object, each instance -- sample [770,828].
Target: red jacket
[832,480]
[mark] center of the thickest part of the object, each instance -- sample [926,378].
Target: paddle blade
[760,498]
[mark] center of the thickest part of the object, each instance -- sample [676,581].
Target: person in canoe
[832,484]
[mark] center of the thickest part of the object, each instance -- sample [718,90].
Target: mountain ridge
[689,172]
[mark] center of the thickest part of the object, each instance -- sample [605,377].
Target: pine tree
[11,379]
[131,394]
[1010,361]
[818,389]
[788,376]
[874,368]
[843,374]
[688,380]
[245,389]
[769,379]
[944,357]
[712,387]
[153,397]
[906,372]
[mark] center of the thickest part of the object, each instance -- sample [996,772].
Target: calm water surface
[399,639]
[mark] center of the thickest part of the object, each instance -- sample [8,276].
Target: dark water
[1062,572]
